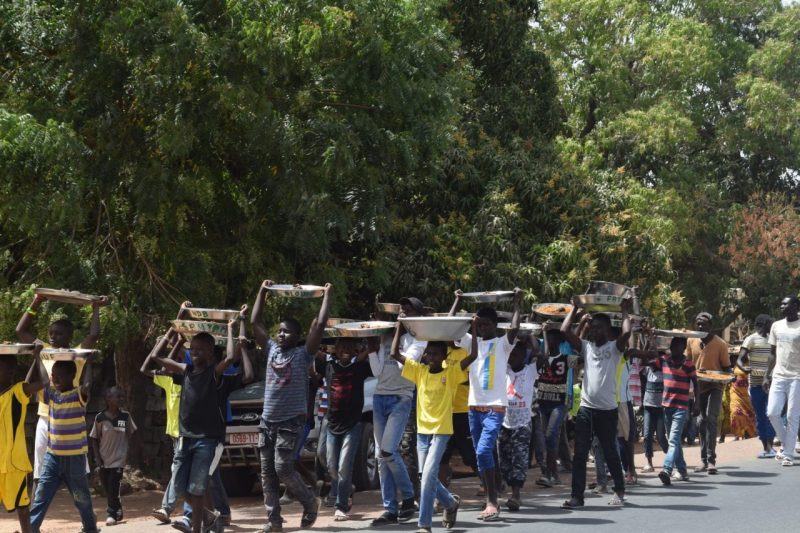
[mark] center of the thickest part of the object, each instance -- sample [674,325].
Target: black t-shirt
[202,410]
[552,386]
[345,393]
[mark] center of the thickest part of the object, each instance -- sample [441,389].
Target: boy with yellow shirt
[14,463]
[436,387]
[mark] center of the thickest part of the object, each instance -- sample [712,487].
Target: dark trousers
[710,406]
[602,424]
[111,479]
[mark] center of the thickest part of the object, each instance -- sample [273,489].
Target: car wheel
[365,474]
[238,482]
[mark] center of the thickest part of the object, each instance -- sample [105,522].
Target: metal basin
[437,328]
[608,288]
[371,328]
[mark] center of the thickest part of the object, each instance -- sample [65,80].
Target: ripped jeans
[389,416]
[278,444]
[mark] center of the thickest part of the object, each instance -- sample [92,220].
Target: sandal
[572,503]
[513,504]
[492,516]
[450,515]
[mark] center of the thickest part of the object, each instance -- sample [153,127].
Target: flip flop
[491,517]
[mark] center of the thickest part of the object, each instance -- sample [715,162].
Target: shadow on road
[748,473]
[697,508]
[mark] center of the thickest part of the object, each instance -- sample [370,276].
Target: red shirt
[677,380]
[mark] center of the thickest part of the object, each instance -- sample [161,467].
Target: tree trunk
[127,361]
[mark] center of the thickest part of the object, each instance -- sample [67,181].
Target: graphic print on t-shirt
[487,374]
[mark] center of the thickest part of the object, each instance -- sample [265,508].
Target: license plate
[243,438]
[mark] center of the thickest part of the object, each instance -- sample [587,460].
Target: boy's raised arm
[627,327]
[159,346]
[25,325]
[566,328]
[516,317]
[473,353]
[459,294]
[90,341]
[318,326]
[259,331]
[36,379]
[396,355]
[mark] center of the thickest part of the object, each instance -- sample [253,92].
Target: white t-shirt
[520,392]
[599,389]
[487,374]
[623,384]
[388,370]
[785,336]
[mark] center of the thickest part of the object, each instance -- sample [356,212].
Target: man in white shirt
[487,392]
[783,378]
[598,410]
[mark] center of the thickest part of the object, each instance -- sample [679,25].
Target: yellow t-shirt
[44,409]
[461,398]
[434,396]
[13,450]
[173,399]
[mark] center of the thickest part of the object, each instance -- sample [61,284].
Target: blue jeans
[485,427]
[766,433]
[389,417]
[654,425]
[430,449]
[71,470]
[674,420]
[341,456]
[552,419]
[191,465]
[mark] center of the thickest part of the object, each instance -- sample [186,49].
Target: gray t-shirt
[114,435]
[653,387]
[286,382]
[599,389]
[387,370]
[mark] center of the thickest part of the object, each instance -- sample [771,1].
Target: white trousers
[785,392]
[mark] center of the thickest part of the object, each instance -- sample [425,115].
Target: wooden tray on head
[715,376]
[191,328]
[199,313]
[297,291]
[67,297]
[15,349]
[66,354]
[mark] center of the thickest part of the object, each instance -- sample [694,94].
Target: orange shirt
[712,356]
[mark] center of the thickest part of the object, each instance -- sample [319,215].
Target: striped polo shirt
[67,432]
[677,380]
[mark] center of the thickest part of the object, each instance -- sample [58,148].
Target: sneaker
[779,456]
[787,461]
[340,516]
[556,481]
[712,469]
[702,468]
[111,521]
[385,519]
[407,510]
[182,525]
[600,489]
[161,515]
[271,528]
[544,481]
[647,469]
[424,530]
[665,478]
[767,454]
[310,515]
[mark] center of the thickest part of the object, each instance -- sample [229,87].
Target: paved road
[748,495]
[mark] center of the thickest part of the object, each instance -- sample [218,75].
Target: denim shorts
[193,463]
